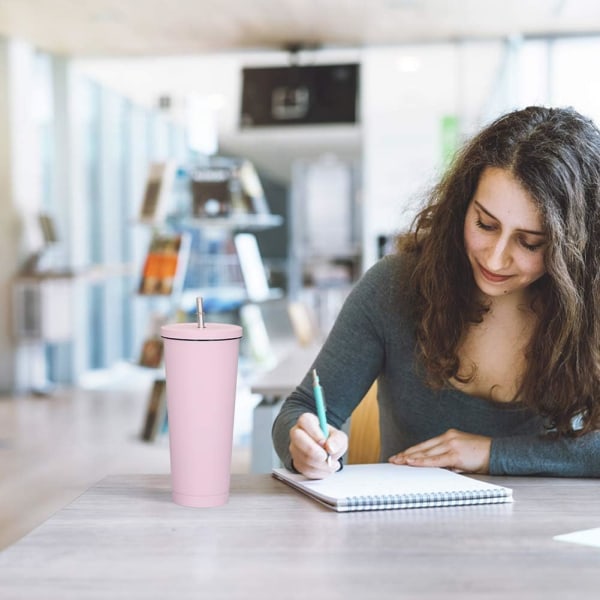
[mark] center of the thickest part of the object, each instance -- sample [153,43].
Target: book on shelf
[211,195]
[48,229]
[159,185]
[165,264]
[252,190]
[156,413]
[386,486]
[227,187]
[257,336]
[152,353]
[252,267]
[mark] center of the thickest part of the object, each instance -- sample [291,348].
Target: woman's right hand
[313,455]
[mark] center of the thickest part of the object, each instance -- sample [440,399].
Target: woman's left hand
[456,450]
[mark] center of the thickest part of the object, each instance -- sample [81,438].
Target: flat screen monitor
[299,95]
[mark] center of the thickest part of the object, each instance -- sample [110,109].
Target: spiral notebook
[386,486]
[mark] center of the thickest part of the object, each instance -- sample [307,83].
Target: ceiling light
[408,64]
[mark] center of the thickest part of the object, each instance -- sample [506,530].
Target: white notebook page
[386,479]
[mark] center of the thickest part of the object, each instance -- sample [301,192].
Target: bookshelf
[217,257]
[236,222]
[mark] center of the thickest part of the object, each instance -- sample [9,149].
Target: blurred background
[94,92]
[278,145]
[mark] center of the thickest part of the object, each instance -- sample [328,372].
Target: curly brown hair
[554,153]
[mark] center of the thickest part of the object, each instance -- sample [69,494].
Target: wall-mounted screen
[299,95]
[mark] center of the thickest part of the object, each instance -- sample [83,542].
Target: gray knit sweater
[373,338]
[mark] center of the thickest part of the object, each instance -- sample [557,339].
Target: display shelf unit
[234,222]
[214,267]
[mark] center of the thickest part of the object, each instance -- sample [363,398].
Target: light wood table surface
[124,538]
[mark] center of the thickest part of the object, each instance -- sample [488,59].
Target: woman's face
[504,237]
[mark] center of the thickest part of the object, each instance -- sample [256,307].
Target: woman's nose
[499,256]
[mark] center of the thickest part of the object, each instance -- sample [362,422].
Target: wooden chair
[363,437]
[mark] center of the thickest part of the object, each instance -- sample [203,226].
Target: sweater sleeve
[546,455]
[349,361]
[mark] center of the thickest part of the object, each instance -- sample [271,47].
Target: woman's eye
[531,247]
[483,225]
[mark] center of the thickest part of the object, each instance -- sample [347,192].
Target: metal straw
[200,312]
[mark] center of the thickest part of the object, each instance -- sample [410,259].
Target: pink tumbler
[201,371]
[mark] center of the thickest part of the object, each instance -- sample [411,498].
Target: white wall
[406,92]
[576,81]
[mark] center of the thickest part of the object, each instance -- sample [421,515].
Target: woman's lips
[493,278]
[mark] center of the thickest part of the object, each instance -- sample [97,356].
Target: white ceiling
[169,27]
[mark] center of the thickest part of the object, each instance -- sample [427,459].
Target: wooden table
[124,538]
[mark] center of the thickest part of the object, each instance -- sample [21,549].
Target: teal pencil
[320,404]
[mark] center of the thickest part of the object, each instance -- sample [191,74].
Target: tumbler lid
[191,331]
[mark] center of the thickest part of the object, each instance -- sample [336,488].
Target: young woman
[483,330]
